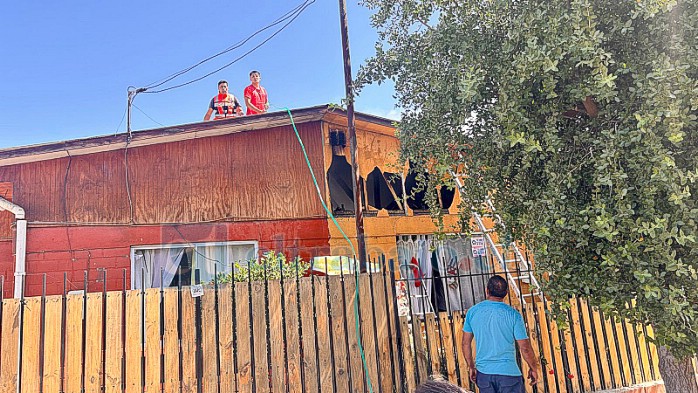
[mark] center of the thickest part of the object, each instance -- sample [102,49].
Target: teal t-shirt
[495,326]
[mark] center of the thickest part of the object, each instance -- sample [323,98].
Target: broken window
[173,264]
[381,194]
[395,181]
[340,185]
[446,196]
[415,192]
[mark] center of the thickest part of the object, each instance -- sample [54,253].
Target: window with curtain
[172,265]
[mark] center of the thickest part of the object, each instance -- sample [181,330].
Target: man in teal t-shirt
[495,326]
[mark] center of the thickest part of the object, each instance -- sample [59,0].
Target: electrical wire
[146,115]
[356,270]
[230,48]
[297,14]
[121,122]
[128,183]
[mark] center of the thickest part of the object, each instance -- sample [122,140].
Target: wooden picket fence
[314,334]
[595,353]
[265,336]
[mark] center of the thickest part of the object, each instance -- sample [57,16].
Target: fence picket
[385,353]
[458,321]
[52,345]
[152,339]
[602,348]
[530,317]
[294,382]
[30,344]
[259,332]
[73,344]
[93,344]
[277,367]
[578,338]
[643,356]
[310,361]
[450,347]
[637,367]
[10,335]
[242,338]
[368,340]
[188,342]
[208,341]
[225,344]
[342,369]
[114,349]
[411,375]
[171,342]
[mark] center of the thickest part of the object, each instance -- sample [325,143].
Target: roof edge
[96,144]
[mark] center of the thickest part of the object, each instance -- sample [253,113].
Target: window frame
[132,253]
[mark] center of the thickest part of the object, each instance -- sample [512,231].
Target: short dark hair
[497,286]
[255,72]
[220,82]
[439,385]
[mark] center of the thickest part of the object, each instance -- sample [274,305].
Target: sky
[65,66]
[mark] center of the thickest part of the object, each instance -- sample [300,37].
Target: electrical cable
[121,122]
[356,270]
[238,58]
[228,49]
[146,115]
[128,185]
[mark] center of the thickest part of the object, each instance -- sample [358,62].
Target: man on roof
[256,98]
[224,105]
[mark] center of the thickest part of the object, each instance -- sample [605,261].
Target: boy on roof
[256,96]
[223,104]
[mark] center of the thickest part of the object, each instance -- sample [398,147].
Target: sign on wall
[478,246]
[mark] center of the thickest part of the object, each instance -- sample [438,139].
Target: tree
[579,118]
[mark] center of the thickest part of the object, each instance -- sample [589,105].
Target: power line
[122,121]
[146,115]
[290,16]
[230,48]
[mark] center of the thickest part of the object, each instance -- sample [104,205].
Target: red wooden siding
[243,176]
[244,186]
[6,217]
[54,250]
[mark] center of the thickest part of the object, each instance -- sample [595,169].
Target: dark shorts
[493,383]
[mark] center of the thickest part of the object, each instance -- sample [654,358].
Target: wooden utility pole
[355,174]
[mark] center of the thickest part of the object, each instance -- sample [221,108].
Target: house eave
[98,144]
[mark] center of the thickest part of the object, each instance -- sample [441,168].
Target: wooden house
[199,196]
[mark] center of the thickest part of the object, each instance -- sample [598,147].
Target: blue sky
[65,66]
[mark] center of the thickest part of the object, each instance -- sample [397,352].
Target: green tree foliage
[607,200]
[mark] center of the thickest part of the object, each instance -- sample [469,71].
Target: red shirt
[257,97]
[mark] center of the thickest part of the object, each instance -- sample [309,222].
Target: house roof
[74,147]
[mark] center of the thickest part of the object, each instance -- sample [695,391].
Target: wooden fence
[272,336]
[595,353]
[315,334]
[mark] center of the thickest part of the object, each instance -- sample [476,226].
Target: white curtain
[457,260]
[209,260]
[148,265]
[241,253]
[414,256]
[220,258]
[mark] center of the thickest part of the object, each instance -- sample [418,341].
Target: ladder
[520,273]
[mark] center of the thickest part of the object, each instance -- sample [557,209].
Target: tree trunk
[678,374]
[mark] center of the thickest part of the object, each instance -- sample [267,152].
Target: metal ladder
[523,272]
